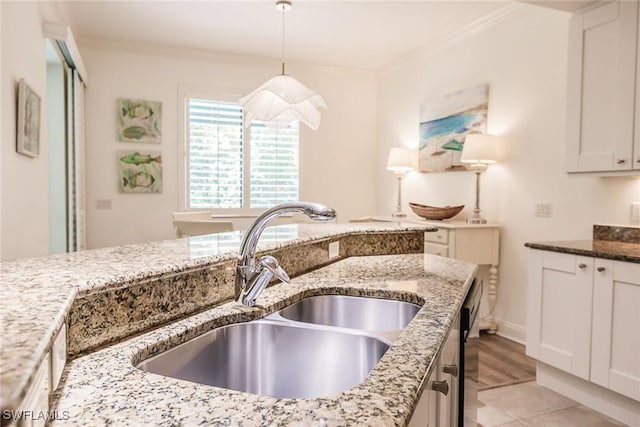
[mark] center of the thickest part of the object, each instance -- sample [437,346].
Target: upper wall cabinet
[602,94]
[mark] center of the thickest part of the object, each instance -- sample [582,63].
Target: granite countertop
[38,292]
[104,387]
[616,242]
[618,251]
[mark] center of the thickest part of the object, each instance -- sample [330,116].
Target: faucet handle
[271,264]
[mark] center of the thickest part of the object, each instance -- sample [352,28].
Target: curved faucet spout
[247,270]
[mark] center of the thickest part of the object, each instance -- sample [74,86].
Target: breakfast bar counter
[102,296]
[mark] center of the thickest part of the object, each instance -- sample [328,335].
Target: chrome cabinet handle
[582,265]
[621,161]
[601,269]
[440,386]
[451,370]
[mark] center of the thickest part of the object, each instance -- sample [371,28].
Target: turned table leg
[491,297]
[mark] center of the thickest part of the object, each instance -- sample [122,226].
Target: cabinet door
[615,347]
[559,310]
[449,371]
[601,88]
[424,415]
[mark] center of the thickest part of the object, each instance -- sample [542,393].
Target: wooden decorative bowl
[432,212]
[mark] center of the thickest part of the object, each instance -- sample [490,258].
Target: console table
[476,243]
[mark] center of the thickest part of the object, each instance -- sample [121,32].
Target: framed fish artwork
[139,121]
[139,172]
[445,121]
[28,131]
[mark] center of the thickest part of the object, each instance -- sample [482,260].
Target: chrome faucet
[251,279]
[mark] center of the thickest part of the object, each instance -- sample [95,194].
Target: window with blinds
[233,167]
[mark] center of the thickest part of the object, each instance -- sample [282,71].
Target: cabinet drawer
[440,236]
[436,249]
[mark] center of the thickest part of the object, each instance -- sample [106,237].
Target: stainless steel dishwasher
[469,343]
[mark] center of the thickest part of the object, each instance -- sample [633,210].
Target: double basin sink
[319,346]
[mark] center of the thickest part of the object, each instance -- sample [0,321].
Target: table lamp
[479,150]
[400,161]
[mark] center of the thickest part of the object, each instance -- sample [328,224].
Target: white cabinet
[615,345]
[584,318]
[601,90]
[559,310]
[438,405]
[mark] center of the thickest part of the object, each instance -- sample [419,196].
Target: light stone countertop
[105,388]
[37,293]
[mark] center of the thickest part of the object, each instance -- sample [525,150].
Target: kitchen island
[104,386]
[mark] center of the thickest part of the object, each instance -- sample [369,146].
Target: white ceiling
[365,34]
[353,34]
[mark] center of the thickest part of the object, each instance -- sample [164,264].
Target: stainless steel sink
[369,314]
[273,358]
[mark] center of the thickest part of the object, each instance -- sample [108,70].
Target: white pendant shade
[282,100]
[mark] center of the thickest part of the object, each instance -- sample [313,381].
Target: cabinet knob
[582,265]
[451,370]
[601,269]
[621,161]
[440,386]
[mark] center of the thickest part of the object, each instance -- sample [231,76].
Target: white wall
[23,182]
[523,57]
[337,161]
[2,140]
[56,139]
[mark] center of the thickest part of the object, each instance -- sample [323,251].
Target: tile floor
[529,404]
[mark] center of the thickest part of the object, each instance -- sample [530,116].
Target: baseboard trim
[512,331]
[611,404]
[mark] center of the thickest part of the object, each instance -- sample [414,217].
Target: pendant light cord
[283,8]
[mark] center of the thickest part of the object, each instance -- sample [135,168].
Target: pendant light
[282,99]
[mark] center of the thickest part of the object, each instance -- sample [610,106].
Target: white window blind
[274,165]
[229,167]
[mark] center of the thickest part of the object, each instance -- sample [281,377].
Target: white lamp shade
[401,160]
[282,100]
[480,149]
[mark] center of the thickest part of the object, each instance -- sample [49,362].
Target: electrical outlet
[543,210]
[635,211]
[334,249]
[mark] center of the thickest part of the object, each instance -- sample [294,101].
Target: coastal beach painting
[139,121]
[139,172]
[444,123]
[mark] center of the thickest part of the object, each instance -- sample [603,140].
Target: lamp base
[399,215]
[478,220]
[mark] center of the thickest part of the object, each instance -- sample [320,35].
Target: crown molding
[474,27]
[193,53]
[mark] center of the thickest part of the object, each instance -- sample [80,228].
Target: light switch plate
[543,209]
[635,211]
[103,204]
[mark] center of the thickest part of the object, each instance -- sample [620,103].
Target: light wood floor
[509,396]
[502,362]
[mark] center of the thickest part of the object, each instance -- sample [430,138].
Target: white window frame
[224,95]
